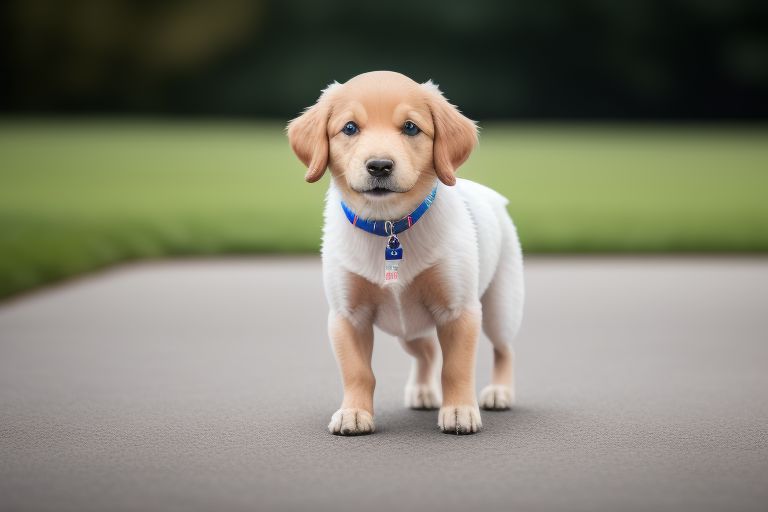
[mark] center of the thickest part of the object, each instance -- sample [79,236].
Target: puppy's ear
[455,135]
[308,135]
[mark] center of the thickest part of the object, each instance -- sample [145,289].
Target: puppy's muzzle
[379,168]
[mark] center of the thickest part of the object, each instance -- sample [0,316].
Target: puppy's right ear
[308,135]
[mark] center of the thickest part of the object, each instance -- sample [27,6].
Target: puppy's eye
[350,128]
[410,128]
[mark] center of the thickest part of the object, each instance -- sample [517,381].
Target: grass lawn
[79,195]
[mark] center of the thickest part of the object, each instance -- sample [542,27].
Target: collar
[385,227]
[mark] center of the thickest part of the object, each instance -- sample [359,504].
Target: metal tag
[393,257]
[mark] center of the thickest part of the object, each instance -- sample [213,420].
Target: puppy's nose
[379,168]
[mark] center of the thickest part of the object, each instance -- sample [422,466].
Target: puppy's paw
[351,422]
[421,396]
[497,397]
[459,419]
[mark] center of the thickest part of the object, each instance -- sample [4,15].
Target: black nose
[379,168]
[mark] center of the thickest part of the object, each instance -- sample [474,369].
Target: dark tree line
[688,59]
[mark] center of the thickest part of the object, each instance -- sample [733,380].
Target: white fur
[460,419]
[466,230]
[497,397]
[421,396]
[351,422]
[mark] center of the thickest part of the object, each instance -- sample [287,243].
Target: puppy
[409,248]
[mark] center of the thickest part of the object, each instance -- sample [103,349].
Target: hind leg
[421,391]
[502,314]
[500,393]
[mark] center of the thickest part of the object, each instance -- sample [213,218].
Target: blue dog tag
[393,256]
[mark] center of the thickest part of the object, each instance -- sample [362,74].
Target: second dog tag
[393,257]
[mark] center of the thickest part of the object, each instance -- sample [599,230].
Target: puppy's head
[385,138]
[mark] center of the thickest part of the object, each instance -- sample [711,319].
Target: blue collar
[386,228]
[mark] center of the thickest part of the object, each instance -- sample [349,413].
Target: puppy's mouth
[378,188]
[379,191]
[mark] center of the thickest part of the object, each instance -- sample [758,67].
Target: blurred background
[143,129]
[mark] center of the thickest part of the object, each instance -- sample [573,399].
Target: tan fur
[503,365]
[431,288]
[455,137]
[380,102]
[308,139]
[421,390]
[424,352]
[458,341]
[353,347]
[363,297]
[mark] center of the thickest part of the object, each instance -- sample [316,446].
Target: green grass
[75,196]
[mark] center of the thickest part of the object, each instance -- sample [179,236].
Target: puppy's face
[381,143]
[385,138]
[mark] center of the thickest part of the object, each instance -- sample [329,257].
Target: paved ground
[208,385]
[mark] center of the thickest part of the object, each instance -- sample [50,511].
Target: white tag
[391,270]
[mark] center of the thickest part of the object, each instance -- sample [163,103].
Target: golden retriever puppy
[409,248]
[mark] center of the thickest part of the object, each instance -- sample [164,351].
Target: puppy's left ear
[455,135]
[308,135]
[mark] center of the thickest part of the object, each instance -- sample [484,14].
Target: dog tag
[393,257]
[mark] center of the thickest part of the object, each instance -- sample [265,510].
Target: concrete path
[642,384]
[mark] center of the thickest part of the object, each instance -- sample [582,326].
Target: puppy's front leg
[353,346]
[458,339]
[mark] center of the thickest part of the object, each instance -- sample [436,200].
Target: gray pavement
[207,385]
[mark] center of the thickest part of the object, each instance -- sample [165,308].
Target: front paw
[351,422]
[497,397]
[459,419]
[421,396]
